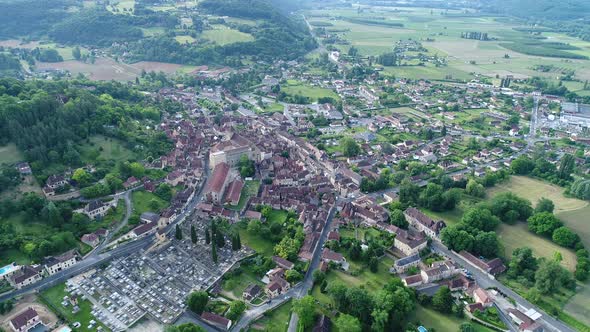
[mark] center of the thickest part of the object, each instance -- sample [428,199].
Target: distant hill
[540,9]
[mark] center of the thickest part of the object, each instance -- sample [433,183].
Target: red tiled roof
[218,178]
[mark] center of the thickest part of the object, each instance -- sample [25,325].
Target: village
[316,168]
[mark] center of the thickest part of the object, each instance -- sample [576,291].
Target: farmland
[440,34]
[106,69]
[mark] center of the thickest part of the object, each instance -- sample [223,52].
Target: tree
[457,239]
[550,276]
[475,189]
[254,226]
[443,300]
[305,309]
[236,308]
[288,248]
[360,303]
[510,208]
[522,165]
[164,191]
[353,51]
[214,252]
[207,236]
[186,327]
[197,301]
[523,263]
[398,219]
[293,276]
[486,244]
[543,223]
[566,166]
[81,177]
[193,234]
[349,147]
[337,292]
[246,166]
[76,53]
[466,327]
[409,192]
[480,218]
[581,188]
[544,205]
[347,323]
[319,276]
[178,233]
[565,237]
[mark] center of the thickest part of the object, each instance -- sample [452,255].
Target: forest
[48,120]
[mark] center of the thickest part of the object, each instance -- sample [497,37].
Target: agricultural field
[374,31]
[223,35]
[106,69]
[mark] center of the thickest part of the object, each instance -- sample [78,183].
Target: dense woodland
[48,120]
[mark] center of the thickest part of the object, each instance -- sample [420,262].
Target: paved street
[296,292]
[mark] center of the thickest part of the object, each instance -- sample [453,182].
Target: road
[96,258]
[484,281]
[296,292]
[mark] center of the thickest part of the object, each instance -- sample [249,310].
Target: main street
[296,292]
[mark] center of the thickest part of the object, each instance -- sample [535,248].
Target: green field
[101,148]
[279,216]
[298,88]
[53,297]
[533,190]
[274,321]
[185,39]
[260,245]
[10,154]
[517,236]
[274,107]
[142,202]
[223,35]
[432,319]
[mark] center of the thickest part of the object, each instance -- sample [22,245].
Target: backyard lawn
[279,216]
[260,245]
[250,189]
[432,319]
[235,285]
[144,201]
[274,321]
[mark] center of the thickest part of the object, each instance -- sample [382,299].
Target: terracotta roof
[218,178]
